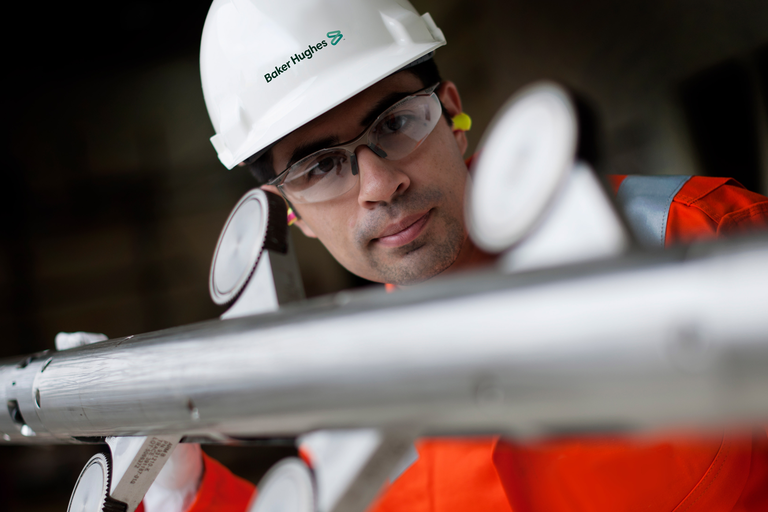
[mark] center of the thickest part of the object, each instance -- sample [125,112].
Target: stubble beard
[423,258]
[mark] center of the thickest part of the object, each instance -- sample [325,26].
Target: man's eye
[321,167]
[315,170]
[325,165]
[393,124]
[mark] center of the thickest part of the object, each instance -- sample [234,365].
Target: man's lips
[404,231]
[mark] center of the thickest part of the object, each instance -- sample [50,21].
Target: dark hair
[426,72]
[262,167]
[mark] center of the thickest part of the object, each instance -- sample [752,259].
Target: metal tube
[633,344]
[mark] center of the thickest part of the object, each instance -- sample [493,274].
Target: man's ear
[299,222]
[451,100]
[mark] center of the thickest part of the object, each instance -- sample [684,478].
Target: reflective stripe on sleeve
[645,201]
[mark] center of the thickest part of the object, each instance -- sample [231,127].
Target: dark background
[113,198]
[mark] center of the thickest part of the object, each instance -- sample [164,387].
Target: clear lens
[396,133]
[320,176]
[402,129]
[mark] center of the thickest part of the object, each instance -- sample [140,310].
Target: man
[344,114]
[402,222]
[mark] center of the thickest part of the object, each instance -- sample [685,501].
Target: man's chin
[418,264]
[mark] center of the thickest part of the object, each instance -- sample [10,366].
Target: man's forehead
[345,121]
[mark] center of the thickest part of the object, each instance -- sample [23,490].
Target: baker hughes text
[296,58]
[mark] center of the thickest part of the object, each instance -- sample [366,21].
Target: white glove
[176,486]
[67,340]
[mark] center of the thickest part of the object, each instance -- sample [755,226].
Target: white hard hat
[270,66]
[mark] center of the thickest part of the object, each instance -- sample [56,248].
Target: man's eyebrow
[310,147]
[382,105]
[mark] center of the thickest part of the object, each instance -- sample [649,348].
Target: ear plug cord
[292,218]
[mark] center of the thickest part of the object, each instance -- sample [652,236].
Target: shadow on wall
[726,106]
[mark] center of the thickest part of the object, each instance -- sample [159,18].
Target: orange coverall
[671,472]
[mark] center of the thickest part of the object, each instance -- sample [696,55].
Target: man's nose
[380,181]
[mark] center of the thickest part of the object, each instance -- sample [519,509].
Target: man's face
[403,222]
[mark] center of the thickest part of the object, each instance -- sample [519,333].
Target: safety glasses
[331,172]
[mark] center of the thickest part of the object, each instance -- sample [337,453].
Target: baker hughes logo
[296,59]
